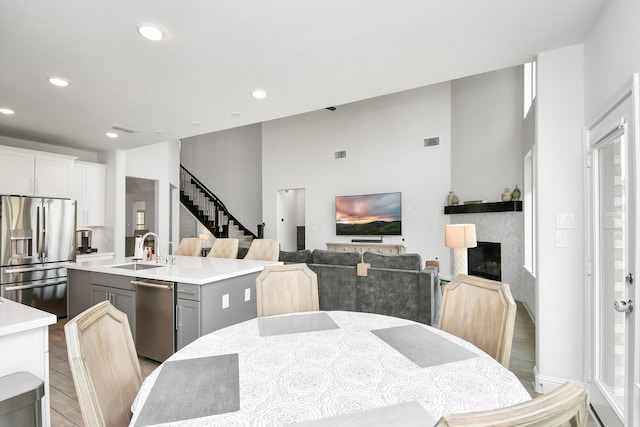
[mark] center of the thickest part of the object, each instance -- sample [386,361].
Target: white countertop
[187,269]
[16,317]
[93,255]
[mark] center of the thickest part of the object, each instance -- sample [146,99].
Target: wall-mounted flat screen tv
[369,215]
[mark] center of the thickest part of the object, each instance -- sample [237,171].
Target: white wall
[560,186]
[160,162]
[229,164]
[383,138]
[611,53]
[487,134]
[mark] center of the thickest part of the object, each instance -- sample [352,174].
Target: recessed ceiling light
[259,94]
[235,113]
[195,123]
[151,32]
[6,111]
[58,81]
[160,132]
[111,134]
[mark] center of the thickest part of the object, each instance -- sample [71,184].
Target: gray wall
[229,163]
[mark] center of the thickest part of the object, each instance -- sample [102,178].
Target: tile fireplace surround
[506,228]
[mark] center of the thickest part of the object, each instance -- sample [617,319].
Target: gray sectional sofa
[394,285]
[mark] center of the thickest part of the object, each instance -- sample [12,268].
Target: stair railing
[206,206]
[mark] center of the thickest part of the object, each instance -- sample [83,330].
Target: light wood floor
[66,412]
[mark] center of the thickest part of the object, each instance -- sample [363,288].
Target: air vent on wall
[341,154]
[430,142]
[124,129]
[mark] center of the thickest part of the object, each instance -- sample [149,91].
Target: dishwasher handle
[151,285]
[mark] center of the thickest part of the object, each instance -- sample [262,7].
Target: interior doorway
[290,210]
[141,209]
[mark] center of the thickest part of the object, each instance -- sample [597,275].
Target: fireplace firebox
[484,261]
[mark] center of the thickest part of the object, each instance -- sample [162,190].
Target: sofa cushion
[411,262]
[303,256]
[335,258]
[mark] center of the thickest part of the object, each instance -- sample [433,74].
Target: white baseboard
[544,384]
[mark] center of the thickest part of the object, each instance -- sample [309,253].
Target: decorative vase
[452,199]
[506,196]
[515,194]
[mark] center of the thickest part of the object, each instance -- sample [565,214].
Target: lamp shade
[460,236]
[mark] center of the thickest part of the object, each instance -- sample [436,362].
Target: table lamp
[460,237]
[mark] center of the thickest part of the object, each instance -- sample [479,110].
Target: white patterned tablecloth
[286,379]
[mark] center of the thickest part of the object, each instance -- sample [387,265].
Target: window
[529,86]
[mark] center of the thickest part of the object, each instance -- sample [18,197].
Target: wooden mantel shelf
[484,208]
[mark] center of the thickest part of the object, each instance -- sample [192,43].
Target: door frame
[632,391]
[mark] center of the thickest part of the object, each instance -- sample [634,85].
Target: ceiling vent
[124,129]
[430,142]
[341,154]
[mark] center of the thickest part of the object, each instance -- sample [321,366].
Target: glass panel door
[613,257]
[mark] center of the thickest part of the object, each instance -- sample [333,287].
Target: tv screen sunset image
[369,215]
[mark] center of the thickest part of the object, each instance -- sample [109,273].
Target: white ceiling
[307,55]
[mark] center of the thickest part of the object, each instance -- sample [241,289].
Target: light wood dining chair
[482,312]
[189,246]
[104,365]
[564,406]
[289,288]
[224,248]
[264,249]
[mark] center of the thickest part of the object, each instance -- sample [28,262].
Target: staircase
[210,211]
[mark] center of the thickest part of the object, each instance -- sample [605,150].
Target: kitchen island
[209,293]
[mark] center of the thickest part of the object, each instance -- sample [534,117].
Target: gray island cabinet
[210,293]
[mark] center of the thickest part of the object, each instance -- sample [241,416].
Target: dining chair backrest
[482,312]
[189,246]
[289,288]
[564,406]
[104,365]
[224,248]
[264,249]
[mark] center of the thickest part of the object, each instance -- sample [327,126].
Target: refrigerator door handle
[32,285]
[32,269]
[45,248]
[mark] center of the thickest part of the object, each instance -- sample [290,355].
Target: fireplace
[484,261]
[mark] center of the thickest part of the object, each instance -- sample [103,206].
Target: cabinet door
[123,300]
[16,171]
[54,175]
[79,296]
[187,322]
[89,191]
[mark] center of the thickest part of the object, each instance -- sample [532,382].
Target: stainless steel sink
[135,266]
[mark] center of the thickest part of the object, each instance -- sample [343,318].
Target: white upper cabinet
[89,191]
[35,173]
[17,171]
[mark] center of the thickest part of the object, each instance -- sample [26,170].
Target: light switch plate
[561,239]
[247,294]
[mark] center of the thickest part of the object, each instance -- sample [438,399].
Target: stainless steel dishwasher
[155,323]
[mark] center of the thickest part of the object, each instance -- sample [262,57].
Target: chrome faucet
[157,244]
[171,259]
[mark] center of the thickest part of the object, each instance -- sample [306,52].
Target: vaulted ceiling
[307,55]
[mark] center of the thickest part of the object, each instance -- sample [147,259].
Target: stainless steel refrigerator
[37,236]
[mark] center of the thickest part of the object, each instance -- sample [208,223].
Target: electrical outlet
[225,301]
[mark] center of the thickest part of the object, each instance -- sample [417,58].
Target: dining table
[320,369]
